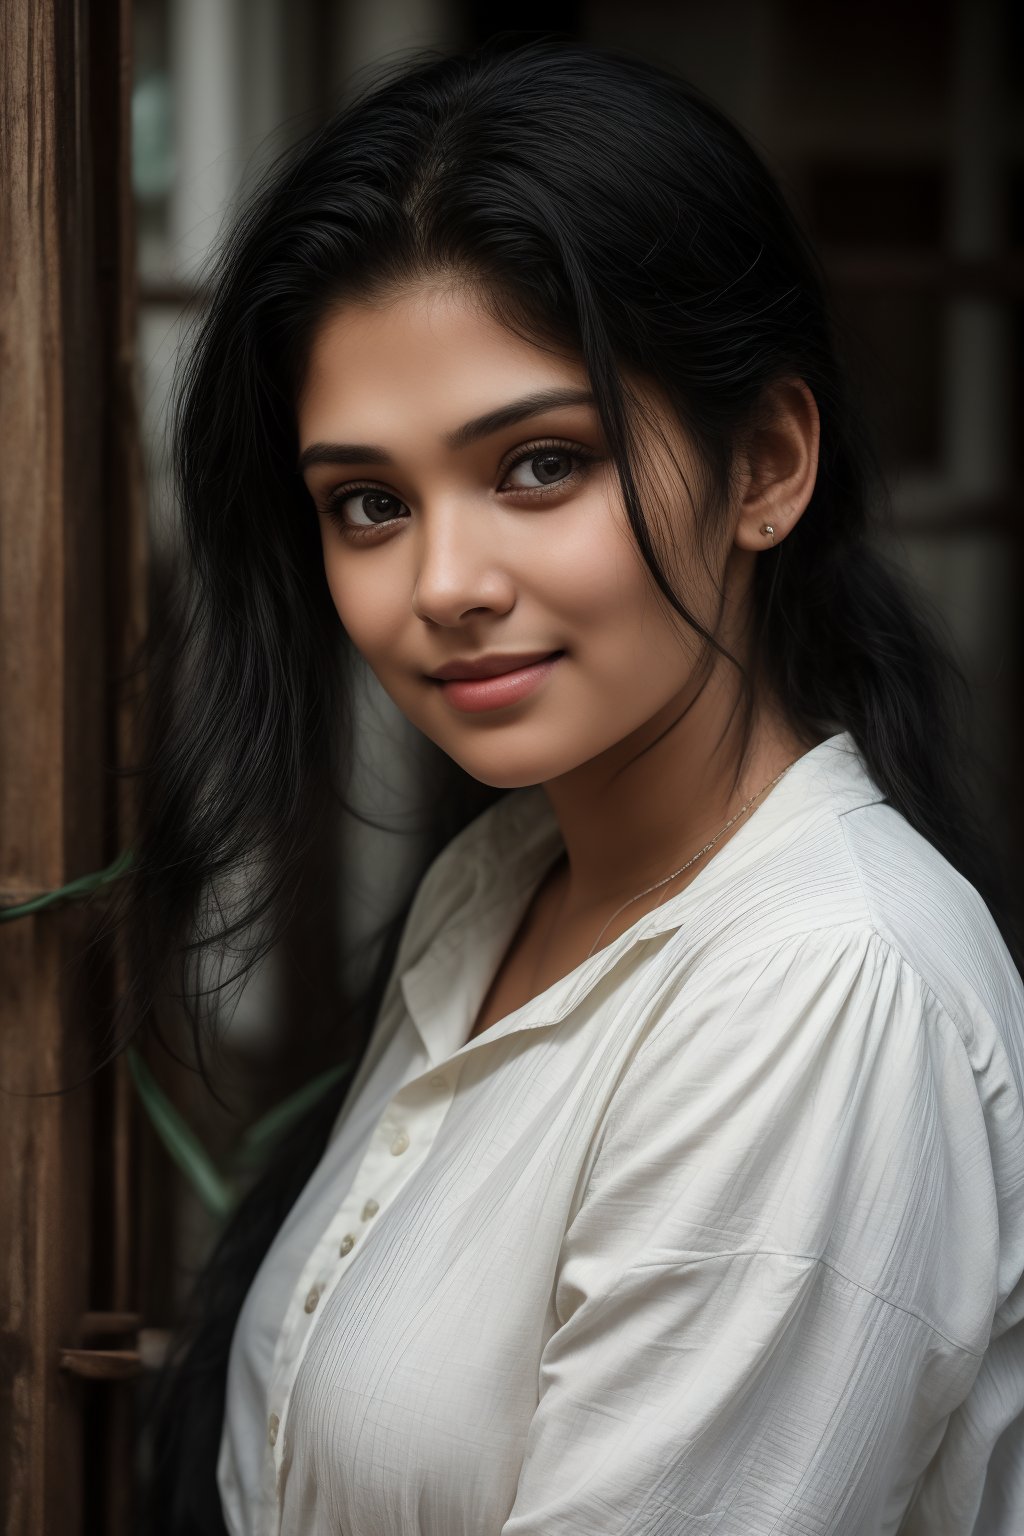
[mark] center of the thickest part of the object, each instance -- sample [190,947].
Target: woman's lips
[472,694]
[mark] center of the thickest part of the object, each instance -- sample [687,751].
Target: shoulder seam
[889,943]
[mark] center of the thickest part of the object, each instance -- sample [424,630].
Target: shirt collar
[505,853]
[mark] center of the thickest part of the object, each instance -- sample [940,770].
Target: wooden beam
[71,554]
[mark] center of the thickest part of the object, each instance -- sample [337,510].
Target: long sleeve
[782,1276]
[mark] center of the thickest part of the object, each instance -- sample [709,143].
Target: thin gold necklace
[707,847]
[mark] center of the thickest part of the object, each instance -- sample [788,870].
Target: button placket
[395,1141]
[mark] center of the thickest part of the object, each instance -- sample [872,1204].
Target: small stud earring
[767,528]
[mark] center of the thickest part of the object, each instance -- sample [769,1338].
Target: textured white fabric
[723,1232]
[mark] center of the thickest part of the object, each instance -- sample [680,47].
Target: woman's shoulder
[830,875]
[843,923]
[937,923]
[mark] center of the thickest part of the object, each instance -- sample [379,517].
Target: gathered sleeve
[781,1278]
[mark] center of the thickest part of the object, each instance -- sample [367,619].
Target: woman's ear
[779,465]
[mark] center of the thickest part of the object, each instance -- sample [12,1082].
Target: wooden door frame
[72,600]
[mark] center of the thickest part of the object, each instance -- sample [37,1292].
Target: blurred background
[897,131]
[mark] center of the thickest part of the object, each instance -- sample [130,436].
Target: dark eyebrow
[471,432]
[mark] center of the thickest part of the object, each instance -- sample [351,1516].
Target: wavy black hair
[603,206]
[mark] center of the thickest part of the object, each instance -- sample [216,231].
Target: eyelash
[335,501]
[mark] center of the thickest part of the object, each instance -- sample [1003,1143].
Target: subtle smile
[474,694]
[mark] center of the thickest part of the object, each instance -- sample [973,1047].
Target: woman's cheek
[354,604]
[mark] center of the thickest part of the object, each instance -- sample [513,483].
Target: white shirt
[723,1231]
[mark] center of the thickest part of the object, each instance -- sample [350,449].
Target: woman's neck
[631,816]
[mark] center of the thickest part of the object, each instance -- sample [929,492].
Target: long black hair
[601,205]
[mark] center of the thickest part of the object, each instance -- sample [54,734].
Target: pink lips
[473,694]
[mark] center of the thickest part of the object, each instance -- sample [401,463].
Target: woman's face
[465,519]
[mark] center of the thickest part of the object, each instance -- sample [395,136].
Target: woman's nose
[459,566]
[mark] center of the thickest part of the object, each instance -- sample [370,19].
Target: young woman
[680,1184]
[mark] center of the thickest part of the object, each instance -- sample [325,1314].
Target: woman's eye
[543,467]
[363,507]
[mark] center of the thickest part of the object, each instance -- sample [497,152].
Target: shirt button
[311,1301]
[273,1425]
[400,1143]
[370,1209]
[437,1081]
[348,1242]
